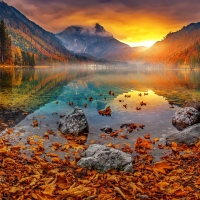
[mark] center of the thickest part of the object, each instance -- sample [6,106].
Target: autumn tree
[18,57]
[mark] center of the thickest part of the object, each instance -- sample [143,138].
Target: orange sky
[135,22]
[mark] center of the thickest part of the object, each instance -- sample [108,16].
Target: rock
[189,136]
[106,129]
[185,117]
[74,123]
[192,103]
[102,158]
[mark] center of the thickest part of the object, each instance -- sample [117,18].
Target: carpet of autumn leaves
[175,176]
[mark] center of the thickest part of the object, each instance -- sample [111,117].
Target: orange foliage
[175,176]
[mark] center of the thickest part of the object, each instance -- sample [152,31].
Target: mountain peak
[99,28]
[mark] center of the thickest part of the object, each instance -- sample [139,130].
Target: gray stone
[189,136]
[192,103]
[74,123]
[143,196]
[185,117]
[102,158]
[106,129]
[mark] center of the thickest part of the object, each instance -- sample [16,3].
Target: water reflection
[27,94]
[26,90]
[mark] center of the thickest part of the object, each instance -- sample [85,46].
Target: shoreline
[14,66]
[19,67]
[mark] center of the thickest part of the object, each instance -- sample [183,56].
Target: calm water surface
[35,92]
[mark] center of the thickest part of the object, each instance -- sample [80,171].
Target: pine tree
[5,45]
[32,60]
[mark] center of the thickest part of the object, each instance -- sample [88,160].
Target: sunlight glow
[146,43]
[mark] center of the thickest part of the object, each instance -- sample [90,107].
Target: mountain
[177,48]
[127,54]
[30,37]
[94,41]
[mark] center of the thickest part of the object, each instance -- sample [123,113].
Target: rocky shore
[104,172]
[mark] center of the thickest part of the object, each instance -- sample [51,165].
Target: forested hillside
[177,49]
[30,40]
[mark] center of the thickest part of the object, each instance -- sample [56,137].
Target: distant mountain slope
[126,54]
[95,41]
[174,46]
[32,38]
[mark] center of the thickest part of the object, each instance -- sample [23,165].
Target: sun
[146,43]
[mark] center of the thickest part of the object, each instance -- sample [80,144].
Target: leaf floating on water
[106,112]
[35,123]
[141,126]
[138,108]
[125,106]
[156,139]
[71,103]
[142,103]
[127,96]
[42,117]
[147,136]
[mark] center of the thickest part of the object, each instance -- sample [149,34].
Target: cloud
[128,20]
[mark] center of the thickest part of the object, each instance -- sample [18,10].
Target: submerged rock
[189,136]
[74,123]
[102,158]
[192,103]
[185,117]
[106,129]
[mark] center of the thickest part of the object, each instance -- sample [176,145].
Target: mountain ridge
[94,41]
[176,48]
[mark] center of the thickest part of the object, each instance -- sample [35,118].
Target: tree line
[9,55]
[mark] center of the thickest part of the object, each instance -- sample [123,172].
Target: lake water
[44,94]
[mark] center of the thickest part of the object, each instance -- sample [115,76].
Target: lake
[44,94]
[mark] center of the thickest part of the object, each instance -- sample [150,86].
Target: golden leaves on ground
[175,176]
[141,146]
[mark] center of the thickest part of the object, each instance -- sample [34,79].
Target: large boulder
[74,123]
[189,136]
[192,103]
[102,158]
[185,117]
